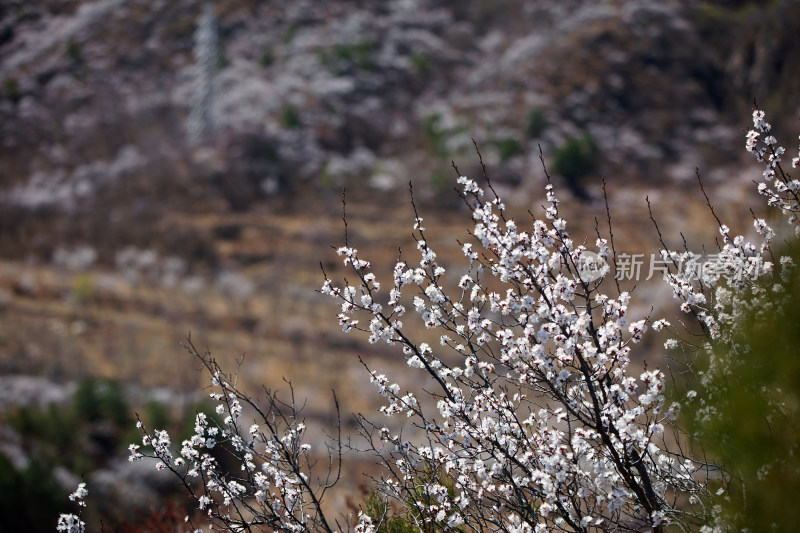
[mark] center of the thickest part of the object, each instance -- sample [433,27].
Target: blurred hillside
[311,97]
[118,237]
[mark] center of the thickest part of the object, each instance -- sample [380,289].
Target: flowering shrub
[746,415]
[532,417]
[747,383]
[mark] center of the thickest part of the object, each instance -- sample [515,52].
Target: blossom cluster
[273,485]
[71,523]
[541,422]
[721,302]
[779,188]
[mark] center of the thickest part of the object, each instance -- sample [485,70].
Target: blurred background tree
[574,161]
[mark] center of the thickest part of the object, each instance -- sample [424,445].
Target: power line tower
[200,124]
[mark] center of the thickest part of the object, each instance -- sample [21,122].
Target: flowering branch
[540,423]
[273,488]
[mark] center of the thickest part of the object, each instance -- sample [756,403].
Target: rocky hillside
[308,97]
